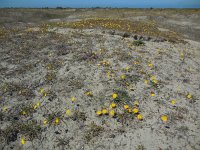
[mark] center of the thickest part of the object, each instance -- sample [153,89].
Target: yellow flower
[127,68]
[38,104]
[189,96]
[105,111]
[155,81]
[23,113]
[126,107]
[136,62]
[173,102]
[112,113]
[73,99]
[68,112]
[114,96]
[122,76]
[136,103]
[153,77]
[23,141]
[44,94]
[99,64]
[129,110]
[99,112]
[135,110]
[35,107]
[139,116]
[152,94]
[150,65]
[146,81]
[164,118]
[41,90]
[45,122]
[4,108]
[112,105]
[89,93]
[57,120]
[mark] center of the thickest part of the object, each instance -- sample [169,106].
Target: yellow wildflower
[73,99]
[23,141]
[129,110]
[41,90]
[57,120]
[99,112]
[122,76]
[112,113]
[112,105]
[146,81]
[150,65]
[139,116]
[152,94]
[89,93]
[127,68]
[126,107]
[136,103]
[135,110]
[173,102]
[105,111]
[68,112]
[45,122]
[153,77]
[114,96]
[155,81]
[164,118]
[189,96]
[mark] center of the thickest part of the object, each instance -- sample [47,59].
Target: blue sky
[102,3]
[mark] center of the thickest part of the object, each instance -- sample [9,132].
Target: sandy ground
[53,82]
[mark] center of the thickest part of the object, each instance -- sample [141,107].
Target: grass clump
[138,43]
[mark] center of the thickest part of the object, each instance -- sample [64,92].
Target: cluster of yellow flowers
[104,63]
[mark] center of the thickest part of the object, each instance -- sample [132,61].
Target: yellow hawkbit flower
[105,111]
[89,93]
[155,81]
[139,116]
[150,65]
[122,76]
[146,81]
[136,62]
[57,120]
[173,102]
[135,110]
[129,110]
[136,103]
[73,99]
[126,107]
[112,113]
[127,68]
[112,105]
[38,104]
[45,122]
[153,77]
[189,96]
[152,94]
[23,113]
[68,112]
[99,112]
[44,94]
[5,108]
[164,118]
[41,90]
[99,64]
[23,141]
[35,107]
[114,96]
